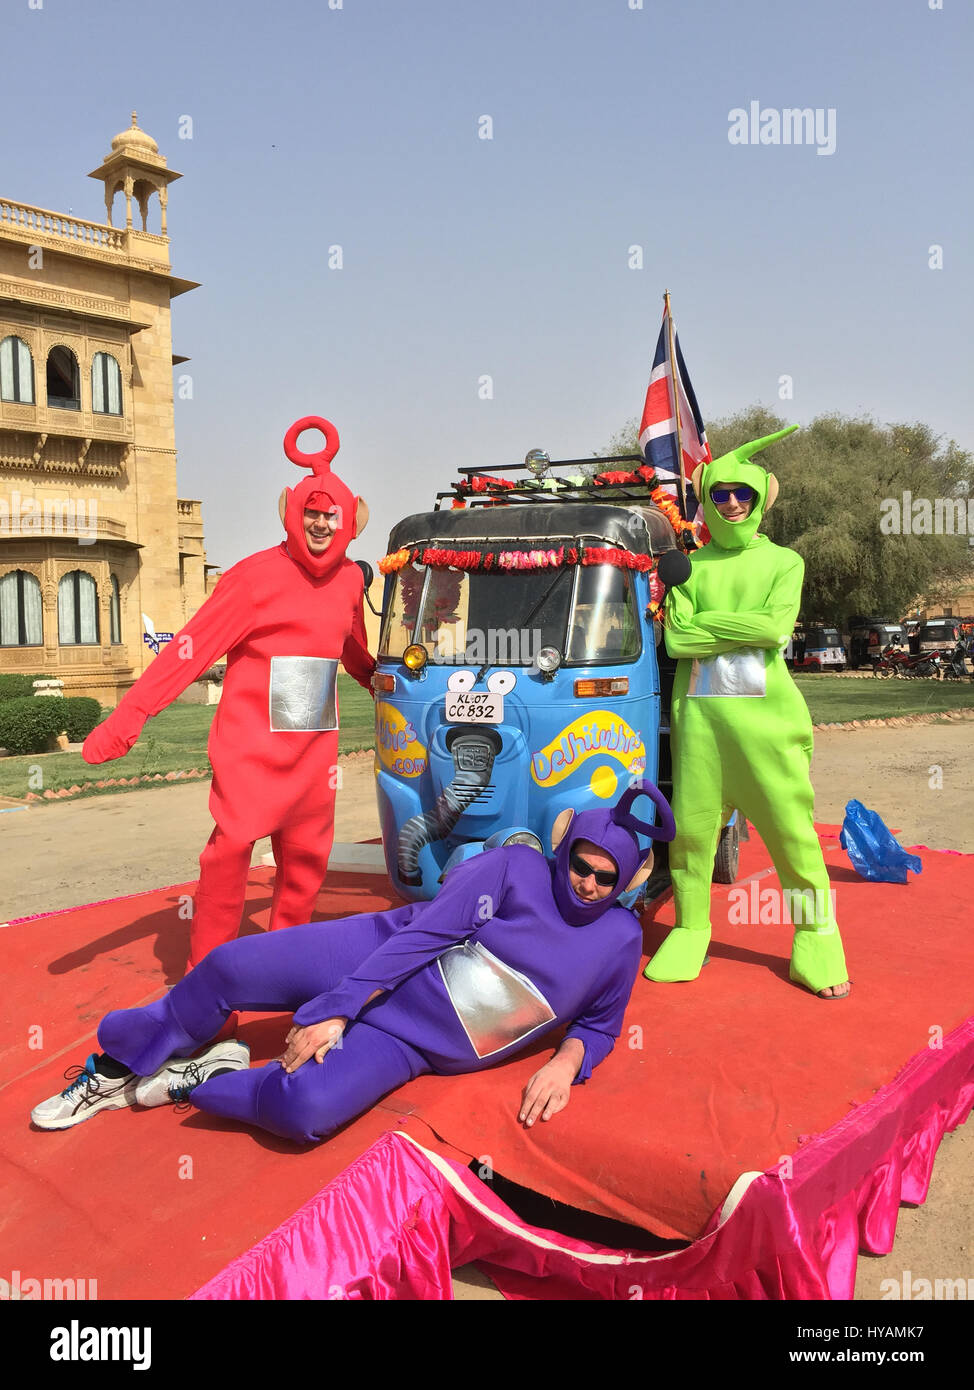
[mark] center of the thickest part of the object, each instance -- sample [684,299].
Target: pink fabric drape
[399,1218]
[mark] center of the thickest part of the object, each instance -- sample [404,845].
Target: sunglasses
[605,878]
[720,495]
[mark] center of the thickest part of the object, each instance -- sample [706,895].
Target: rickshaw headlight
[548,660]
[414,658]
[524,837]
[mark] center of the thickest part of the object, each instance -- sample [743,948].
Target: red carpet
[733,1071]
[711,1079]
[149,1203]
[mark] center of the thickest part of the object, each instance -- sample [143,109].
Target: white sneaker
[172,1083]
[89,1092]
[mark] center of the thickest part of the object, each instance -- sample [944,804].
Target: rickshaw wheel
[728,853]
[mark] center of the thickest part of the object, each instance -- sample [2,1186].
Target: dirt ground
[918,778]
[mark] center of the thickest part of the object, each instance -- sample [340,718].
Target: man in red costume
[284,617]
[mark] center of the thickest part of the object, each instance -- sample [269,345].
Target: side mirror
[368,574]
[673,568]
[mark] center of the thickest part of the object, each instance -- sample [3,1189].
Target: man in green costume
[741,732]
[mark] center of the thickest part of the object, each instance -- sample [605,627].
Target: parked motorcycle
[952,666]
[894,661]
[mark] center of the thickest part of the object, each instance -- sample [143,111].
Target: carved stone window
[21,619]
[115,613]
[77,610]
[106,385]
[63,379]
[16,371]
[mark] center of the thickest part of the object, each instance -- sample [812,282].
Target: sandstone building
[92,533]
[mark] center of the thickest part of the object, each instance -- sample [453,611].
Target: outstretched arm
[220,624]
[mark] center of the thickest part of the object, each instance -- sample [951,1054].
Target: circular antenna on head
[318,462]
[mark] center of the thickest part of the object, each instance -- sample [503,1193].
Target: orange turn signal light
[385,683]
[617,685]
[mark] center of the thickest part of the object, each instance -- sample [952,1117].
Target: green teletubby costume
[741,732]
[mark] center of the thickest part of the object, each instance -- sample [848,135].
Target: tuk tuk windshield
[505,617]
[943,630]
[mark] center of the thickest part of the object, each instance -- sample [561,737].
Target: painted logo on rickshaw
[396,745]
[590,734]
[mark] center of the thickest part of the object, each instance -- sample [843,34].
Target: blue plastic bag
[874,853]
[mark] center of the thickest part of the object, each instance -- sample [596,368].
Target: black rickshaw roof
[642,530]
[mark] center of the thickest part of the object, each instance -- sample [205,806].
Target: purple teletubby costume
[505,953]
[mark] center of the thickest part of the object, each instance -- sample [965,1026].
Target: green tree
[834,475]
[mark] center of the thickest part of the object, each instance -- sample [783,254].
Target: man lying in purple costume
[513,946]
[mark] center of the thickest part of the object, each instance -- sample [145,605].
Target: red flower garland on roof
[468,560]
[479,482]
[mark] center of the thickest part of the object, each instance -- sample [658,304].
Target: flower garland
[468,560]
[621,559]
[477,482]
[390,564]
[524,560]
[667,505]
[619,478]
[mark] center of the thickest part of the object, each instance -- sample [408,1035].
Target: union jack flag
[657,431]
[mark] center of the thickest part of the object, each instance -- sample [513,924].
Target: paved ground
[918,778]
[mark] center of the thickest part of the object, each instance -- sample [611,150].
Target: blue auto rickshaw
[518,672]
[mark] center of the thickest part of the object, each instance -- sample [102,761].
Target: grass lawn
[832,699]
[175,741]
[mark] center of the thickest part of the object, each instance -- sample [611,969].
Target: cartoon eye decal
[501,682]
[460,680]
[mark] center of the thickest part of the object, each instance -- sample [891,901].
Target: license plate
[474,708]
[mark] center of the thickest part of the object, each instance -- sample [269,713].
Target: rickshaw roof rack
[543,522]
[557,463]
[570,493]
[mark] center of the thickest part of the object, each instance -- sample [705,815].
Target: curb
[147,778]
[899,721]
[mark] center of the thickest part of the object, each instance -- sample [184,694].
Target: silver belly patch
[496,1005]
[302,693]
[741,673]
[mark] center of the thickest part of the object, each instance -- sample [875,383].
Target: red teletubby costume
[284,617]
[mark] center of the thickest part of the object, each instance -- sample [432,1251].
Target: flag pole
[676,404]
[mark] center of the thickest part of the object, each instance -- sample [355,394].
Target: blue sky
[465,257]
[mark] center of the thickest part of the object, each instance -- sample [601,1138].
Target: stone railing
[42,222]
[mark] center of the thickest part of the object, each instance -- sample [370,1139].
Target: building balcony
[66,417]
[96,240]
[70,519]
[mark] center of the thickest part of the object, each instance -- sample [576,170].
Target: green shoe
[680,957]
